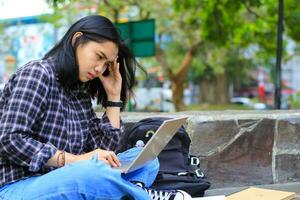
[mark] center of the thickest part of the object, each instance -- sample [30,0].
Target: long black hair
[94,28]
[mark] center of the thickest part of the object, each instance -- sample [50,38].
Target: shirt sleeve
[103,135]
[23,108]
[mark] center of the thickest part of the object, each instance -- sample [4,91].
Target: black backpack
[178,169]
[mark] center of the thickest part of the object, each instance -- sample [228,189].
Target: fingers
[115,61]
[115,68]
[116,160]
[111,159]
[113,71]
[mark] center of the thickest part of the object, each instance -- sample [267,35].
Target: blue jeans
[92,179]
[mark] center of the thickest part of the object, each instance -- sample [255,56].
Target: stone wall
[240,148]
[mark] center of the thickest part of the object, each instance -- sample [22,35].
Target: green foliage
[292,18]
[1,28]
[229,27]
[222,30]
[294,101]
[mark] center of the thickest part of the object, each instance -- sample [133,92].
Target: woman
[52,145]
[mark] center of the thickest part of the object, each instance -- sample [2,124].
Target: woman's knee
[90,177]
[92,171]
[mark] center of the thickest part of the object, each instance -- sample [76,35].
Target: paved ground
[289,187]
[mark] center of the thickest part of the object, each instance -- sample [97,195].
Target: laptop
[155,145]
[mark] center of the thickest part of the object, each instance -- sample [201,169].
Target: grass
[204,107]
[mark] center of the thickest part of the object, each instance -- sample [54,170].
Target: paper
[254,193]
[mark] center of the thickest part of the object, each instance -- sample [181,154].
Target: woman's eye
[99,57]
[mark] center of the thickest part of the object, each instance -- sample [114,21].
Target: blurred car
[247,102]
[242,101]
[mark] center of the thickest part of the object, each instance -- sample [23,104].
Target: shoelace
[160,194]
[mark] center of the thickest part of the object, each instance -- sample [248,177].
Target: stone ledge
[242,148]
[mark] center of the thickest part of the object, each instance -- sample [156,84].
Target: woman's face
[94,58]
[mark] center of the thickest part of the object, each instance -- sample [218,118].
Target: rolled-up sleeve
[22,110]
[103,135]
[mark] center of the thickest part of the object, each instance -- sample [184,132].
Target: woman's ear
[75,36]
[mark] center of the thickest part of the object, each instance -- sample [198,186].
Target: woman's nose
[98,69]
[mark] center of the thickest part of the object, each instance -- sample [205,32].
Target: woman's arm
[105,133]
[113,114]
[22,109]
[62,158]
[112,85]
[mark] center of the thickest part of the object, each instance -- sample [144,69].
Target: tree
[211,38]
[168,23]
[230,29]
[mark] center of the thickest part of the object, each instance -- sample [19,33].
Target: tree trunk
[215,91]
[177,79]
[207,91]
[222,89]
[177,94]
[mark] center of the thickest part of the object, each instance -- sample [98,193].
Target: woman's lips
[91,76]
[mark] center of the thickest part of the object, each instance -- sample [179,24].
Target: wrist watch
[113,104]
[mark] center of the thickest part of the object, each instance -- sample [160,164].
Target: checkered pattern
[38,116]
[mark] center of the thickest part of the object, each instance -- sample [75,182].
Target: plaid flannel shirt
[38,116]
